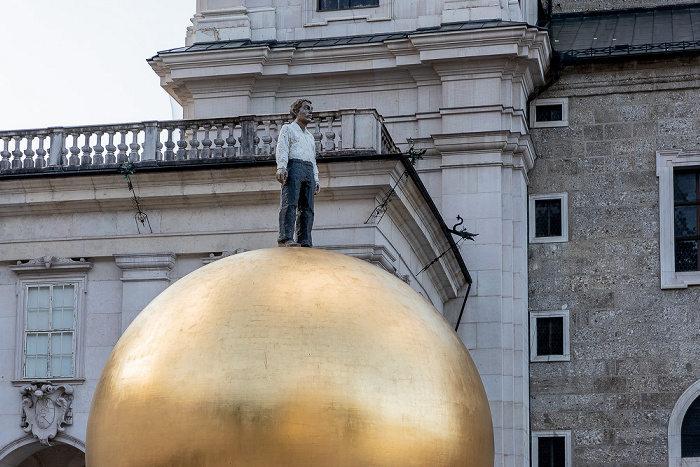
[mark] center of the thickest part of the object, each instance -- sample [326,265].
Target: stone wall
[634,347]
[569,6]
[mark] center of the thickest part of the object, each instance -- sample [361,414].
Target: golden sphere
[291,357]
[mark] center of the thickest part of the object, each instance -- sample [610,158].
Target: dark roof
[626,32]
[346,40]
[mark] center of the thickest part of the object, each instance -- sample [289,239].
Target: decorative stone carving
[46,409]
[51,263]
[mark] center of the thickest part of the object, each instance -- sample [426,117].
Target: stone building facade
[621,391]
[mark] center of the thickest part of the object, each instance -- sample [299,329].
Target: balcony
[345,132]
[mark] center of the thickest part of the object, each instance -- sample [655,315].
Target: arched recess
[12,454]
[675,423]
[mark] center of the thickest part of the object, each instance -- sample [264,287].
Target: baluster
[182,145]
[159,146]
[317,137]
[219,142]
[194,144]
[85,159]
[122,146]
[98,159]
[74,159]
[266,139]
[231,141]
[29,153]
[5,162]
[134,154]
[110,158]
[340,137]
[169,145]
[276,135]
[17,154]
[206,143]
[330,135]
[41,152]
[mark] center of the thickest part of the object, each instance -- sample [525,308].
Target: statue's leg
[305,219]
[289,199]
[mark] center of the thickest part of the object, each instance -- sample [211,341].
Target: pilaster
[144,276]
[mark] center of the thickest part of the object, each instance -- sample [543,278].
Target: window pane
[686,221]
[548,218]
[550,336]
[548,113]
[684,187]
[551,451]
[686,255]
[30,367]
[38,308]
[67,367]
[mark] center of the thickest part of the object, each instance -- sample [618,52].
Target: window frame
[23,284]
[535,435]
[666,162]
[563,101]
[675,423]
[564,237]
[318,3]
[534,316]
[314,17]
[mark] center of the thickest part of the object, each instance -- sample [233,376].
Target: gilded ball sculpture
[291,357]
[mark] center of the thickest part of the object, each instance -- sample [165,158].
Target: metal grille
[686,201]
[551,451]
[550,336]
[548,218]
[325,5]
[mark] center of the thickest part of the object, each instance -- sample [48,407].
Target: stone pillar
[484,179]
[144,276]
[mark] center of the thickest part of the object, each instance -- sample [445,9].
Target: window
[551,449]
[327,5]
[317,13]
[679,214]
[690,431]
[549,218]
[50,307]
[686,204]
[49,338]
[548,113]
[549,336]
[684,429]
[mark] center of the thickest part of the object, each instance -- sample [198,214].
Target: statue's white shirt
[295,143]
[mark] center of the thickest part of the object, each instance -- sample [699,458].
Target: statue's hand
[317,189]
[282,175]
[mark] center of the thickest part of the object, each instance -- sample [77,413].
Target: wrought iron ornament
[128,169]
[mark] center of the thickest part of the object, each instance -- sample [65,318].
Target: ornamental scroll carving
[46,409]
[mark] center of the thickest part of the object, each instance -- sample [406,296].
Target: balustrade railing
[347,131]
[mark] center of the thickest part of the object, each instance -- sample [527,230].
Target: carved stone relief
[46,409]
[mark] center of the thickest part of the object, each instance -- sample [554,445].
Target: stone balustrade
[348,131]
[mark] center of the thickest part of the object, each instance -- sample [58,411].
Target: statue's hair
[296,105]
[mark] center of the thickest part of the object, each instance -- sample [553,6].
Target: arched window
[684,429]
[690,431]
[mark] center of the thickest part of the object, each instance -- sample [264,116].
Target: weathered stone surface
[634,347]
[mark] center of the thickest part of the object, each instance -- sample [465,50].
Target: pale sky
[83,62]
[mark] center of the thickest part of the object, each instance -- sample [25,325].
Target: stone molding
[145,266]
[46,410]
[50,264]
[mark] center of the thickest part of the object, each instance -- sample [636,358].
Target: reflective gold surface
[289,357]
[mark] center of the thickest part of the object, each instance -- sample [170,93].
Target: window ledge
[52,381]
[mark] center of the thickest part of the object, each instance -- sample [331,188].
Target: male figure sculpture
[298,174]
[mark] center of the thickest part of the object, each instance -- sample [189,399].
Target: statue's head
[296,105]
